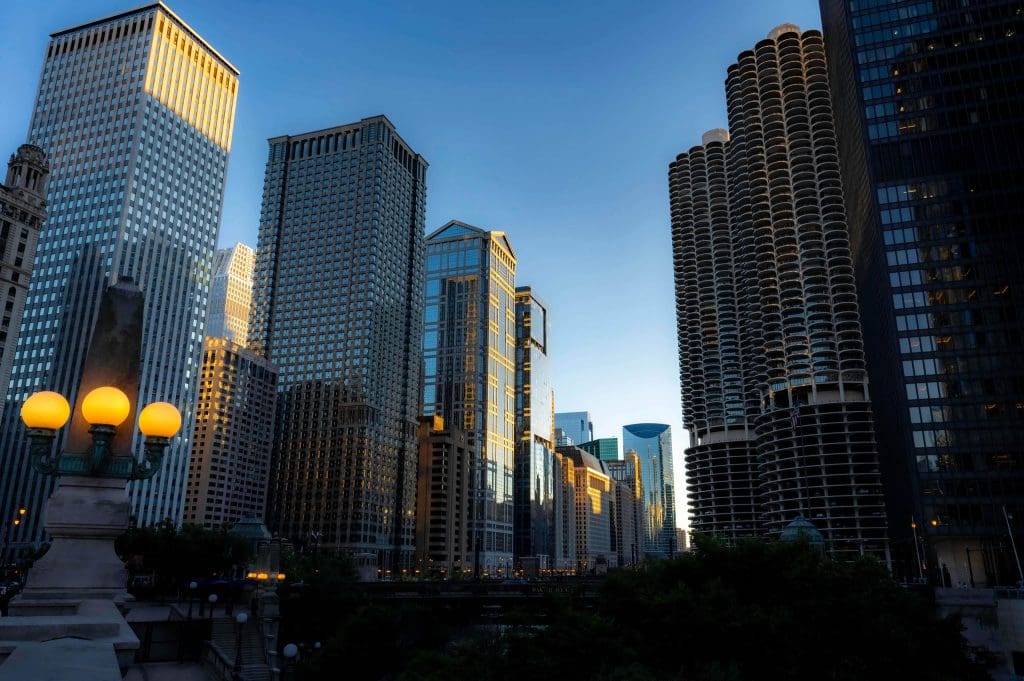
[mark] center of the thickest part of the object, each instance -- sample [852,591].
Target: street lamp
[240,620]
[290,652]
[192,586]
[213,602]
[104,409]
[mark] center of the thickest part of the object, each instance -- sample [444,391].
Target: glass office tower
[652,442]
[135,112]
[337,306]
[469,348]
[604,448]
[576,425]
[535,485]
[929,108]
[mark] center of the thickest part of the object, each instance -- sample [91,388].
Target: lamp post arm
[41,450]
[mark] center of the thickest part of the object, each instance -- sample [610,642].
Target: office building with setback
[22,213]
[338,308]
[231,294]
[771,352]
[928,102]
[629,525]
[469,354]
[135,113]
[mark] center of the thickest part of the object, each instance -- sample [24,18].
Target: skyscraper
[576,425]
[337,306]
[629,509]
[469,350]
[761,243]
[535,484]
[230,463]
[442,498]
[22,213]
[604,448]
[652,443]
[135,112]
[928,108]
[594,506]
[231,294]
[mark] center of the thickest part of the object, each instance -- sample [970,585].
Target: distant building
[595,510]
[576,425]
[653,444]
[534,448]
[629,530]
[682,545]
[231,294]
[338,307]
[442,497]
[562,440]
[605,448]
[469,354]
[230,464]
[22,213]
[564,561]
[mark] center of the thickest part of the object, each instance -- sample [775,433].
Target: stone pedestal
[84,517]
[72,602]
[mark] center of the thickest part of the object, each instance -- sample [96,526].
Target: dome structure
[800,528]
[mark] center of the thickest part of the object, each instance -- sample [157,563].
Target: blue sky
[552,121]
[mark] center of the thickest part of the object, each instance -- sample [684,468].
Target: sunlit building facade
[229,468]
[629,526]
[338,308]
[469,354]
[442,498]
[135,112]
[928,105]
[652,443]
[535,484]
[594,505]
[231,294]
[22,213]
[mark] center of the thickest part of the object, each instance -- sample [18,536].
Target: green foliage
[176,556]
[760,610]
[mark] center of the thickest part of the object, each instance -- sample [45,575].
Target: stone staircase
[254,659]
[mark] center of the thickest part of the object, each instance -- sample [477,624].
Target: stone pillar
[84,517]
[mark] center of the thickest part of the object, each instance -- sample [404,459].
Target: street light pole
[240,621]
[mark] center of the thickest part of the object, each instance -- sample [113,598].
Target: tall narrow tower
[135,112]
[469,354]
[338,307]
[761,239]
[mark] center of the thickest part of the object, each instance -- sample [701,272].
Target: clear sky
[552,121]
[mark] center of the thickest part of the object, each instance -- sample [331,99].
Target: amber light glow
[45,409]
[106,406]
[160,419]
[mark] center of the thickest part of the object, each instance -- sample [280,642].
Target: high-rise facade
[230,463]
[928,105]
[535,484]
[594,506]
[629,508]
[442,498]
[761,245]
[135,113]
[469,354]
[22,213]
[604,448]
[338,307]
[231,294]
[652,443]
[576,425]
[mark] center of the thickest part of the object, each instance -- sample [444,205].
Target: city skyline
[532,197]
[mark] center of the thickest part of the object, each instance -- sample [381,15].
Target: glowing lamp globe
[160,419]
[45,409]
[106,406]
